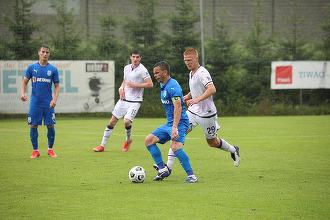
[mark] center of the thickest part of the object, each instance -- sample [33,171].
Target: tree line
[240,68]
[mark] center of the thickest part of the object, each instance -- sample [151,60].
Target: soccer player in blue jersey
[176,127]
[43,75]
[201,108]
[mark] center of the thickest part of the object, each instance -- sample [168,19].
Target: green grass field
[284,172]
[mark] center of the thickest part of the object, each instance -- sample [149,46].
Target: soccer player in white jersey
[136,78]
[201,109]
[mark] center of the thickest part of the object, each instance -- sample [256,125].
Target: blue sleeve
[174,90]
[55,76]
[28,72]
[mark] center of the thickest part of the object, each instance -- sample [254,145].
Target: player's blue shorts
[164,132]
[36,114]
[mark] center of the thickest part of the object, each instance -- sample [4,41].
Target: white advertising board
[300,75]
[85,86]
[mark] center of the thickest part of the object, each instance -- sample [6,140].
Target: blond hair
[190,51]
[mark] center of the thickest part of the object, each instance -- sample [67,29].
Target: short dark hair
[163,65]
[136,52]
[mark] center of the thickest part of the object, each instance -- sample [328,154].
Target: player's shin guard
[156,155]
[34,138]
[51,137]
[184,160]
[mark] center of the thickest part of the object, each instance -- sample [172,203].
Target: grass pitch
[284,172]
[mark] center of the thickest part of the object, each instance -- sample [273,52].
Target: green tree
[107,43]
[5,52]
[220,54]
[111,48]
[325,48]
[293,46]
[22,27]
[66,41]
[318,96]
[222,63]
[183,35]
[143,33]
[259,54]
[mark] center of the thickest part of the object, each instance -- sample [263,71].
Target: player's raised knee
[148,139]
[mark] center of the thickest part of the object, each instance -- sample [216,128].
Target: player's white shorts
[209,125]
[126,109]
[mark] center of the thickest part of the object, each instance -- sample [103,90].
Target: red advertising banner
[283,74]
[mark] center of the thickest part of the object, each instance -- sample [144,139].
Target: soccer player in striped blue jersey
[176,127]
[42,103]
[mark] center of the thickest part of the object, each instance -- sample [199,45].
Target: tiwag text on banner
[300,75]
[85,86]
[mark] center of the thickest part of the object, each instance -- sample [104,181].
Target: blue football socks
[156,155]
[184,160]
[34,138]
[51,137]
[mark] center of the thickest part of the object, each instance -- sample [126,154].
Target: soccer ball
[137,174]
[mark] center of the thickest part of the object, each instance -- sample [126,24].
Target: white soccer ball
[137,174]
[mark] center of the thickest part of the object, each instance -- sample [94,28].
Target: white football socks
[106,135]
[226,146]
[170,158]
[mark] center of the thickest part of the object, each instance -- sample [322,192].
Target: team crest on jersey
[49,73]
[164,93]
